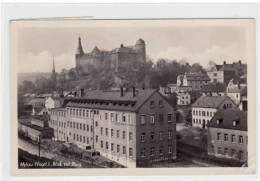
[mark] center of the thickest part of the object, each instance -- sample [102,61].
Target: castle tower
[140,48]
[78,55]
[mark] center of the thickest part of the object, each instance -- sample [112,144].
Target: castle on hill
[124,55]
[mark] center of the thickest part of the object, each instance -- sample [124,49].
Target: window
[233,139]
[96,124]
[219,136]
[101,131]
[80,112]
[124,135]
[83,113]
[80,126]
[106,131]
[80,138]
[106,116]
[130,121]
[161,118]
[226,152]
[112,146]
[87,140]
[77,125]
[160,103]
[169,117]
[117,134]
[152,136]
[241,140]
[143,152]
[169,148]
[233,153]
[84,139]
[161,150]
[161,135]
[124,150]
[87,113]
[142,137]
[118,148]
[74,137]
[123,118]
[213,149]
[130,152]
[101,144]
[96,138]
[142,119]
[112,117]
[77,137]
[91,128]
[219,150]
[107,146]
[152,119]
[87,127]
[116,116]
[170,134]
[112,132]
[226,137]
[77,112]
[84,127]
[241,155]
[152,151]
[74,125]
[130,136]
[151,103]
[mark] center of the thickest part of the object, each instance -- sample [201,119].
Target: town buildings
[132,128]
[53,102]
[214,89]
[194,80]
[114,58]
[227,135]
[207,106]
[224,73]
[183,98]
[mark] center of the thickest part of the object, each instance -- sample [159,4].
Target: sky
[193,41]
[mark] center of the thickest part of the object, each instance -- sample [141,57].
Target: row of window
[153,116]
[199,121]
[232,138]
[203,113]
[59,113]
[112,133]
[111,146]
[81,138]
[153,150]
[153,136]
[152,104]
[225,151]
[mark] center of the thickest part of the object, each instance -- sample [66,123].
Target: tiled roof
[236,89]
[209,101]
[213,87]
[197,76]
[227,117]
[112,100]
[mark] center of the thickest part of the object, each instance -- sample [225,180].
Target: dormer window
[219,121]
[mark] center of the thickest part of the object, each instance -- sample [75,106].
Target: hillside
[32,76]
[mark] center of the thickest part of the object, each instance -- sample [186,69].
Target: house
[236,91]
[43,111]
[183,98]
[207,106]
[194,80]
[35,128]
[227,135]
[53,102]
[132,128]
[214,89]
[225,72]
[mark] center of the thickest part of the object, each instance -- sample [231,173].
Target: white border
[108,11]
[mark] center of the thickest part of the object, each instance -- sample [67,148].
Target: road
[33,149]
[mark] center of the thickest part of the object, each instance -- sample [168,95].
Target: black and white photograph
[122,94]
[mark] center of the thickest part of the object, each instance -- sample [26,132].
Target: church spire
[53,66]
[79,49]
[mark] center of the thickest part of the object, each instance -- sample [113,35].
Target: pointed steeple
[79,49]
[53,66]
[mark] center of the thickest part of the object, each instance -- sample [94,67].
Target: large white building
[183,98]
[207,106]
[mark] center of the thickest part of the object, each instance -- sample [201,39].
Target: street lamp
[39,144]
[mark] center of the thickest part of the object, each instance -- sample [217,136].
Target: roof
[59,109]
[172,85]
[209,101]
[37,100]
[227,117]
[33,126]
[213,87]
[237,89]
[197,76]
[112,100]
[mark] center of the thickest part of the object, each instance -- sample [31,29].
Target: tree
[196,67]
[72,74]
[28,86]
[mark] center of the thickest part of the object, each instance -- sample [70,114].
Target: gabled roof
[209,101]
[213,87]
[227,117]
[197,76]
[112,100]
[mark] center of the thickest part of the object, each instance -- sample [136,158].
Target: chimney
[133,91]
[122,45]
[121,91]
[224,62]
[82,93]
[239,62]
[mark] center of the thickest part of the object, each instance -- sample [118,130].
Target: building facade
[194,80]
[207,106]
[132,128]
[183,98]
[114,58]
[213,89]
[227,135]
